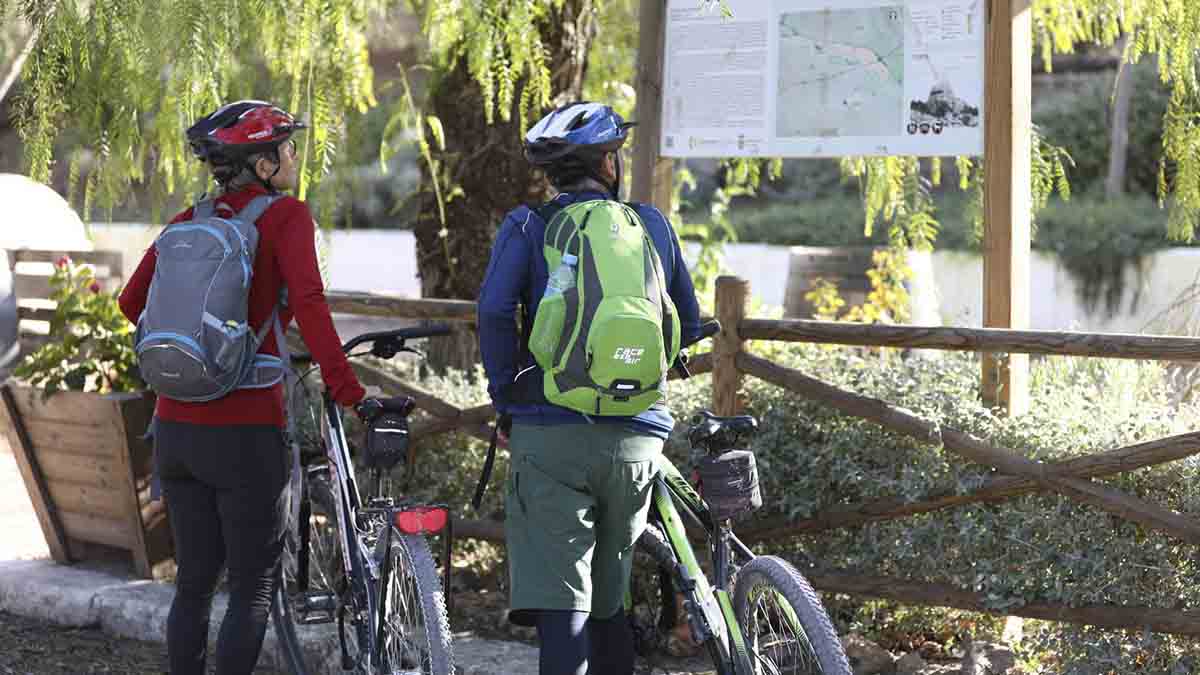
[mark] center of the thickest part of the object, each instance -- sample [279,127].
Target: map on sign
[841,72]
[824,78]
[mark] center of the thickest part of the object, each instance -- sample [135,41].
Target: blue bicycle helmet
[576,136]
[574,127]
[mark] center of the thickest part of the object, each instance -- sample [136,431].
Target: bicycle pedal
[316,607]
[315,620]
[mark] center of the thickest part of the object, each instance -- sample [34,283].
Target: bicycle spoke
[406,650]
[781,647]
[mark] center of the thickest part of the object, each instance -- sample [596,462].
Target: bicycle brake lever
[680,365]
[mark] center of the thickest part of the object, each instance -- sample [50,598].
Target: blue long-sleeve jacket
[517,276]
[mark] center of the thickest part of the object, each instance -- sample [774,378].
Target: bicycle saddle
[707,428]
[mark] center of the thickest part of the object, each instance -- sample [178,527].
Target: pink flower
[95,287]
[62,262]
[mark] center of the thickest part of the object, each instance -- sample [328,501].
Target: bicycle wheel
[312,581]
[416,634]
[784,624]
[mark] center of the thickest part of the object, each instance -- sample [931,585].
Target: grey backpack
[193,340]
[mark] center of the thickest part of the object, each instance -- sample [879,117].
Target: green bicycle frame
[716,604]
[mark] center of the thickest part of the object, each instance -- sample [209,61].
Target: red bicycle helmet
[237,130]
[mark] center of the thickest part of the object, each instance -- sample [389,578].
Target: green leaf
[439,134]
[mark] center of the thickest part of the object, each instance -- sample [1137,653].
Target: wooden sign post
[652,174]
[1008,134]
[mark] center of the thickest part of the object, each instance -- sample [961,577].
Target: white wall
[360,260]
[948,287]
[1054,294]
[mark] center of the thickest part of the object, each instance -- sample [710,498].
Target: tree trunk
[1118,151]
[488,164]
[14,71]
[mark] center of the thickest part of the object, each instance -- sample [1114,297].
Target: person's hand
[503,430]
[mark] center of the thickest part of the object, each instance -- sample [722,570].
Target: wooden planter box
[87,472]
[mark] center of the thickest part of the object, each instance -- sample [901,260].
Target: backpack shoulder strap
[256,208]
[203,208]
[548,210]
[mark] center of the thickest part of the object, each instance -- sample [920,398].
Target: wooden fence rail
[1016,475]
[1057,343]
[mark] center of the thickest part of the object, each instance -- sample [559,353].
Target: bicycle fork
[709,610]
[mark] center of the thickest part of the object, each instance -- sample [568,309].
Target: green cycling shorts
[577,500]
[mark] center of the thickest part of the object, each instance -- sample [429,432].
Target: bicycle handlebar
[707,329]
[386,344]
[397,335]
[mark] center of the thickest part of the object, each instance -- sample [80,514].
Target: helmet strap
[617,164]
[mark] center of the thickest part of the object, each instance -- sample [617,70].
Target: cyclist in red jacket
[223,463]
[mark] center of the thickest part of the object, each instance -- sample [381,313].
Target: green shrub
[837,219]
[1035,548]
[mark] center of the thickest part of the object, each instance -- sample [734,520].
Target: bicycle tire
[310,650]
[771,574]
[411,563]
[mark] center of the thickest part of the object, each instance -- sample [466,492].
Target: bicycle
[772,623]
[360,562]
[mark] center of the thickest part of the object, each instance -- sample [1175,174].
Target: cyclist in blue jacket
[579,486]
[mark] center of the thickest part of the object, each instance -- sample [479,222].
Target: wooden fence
[729,362]
[31,284]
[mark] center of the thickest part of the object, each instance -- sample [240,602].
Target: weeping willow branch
[128,76]
[504,51]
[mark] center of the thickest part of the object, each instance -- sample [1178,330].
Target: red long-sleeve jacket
[286,256]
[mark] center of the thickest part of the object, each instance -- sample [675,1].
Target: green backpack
[606,332]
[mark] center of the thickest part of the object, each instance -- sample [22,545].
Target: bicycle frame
[670,489]
[368,579]
[366,528]
[357,562]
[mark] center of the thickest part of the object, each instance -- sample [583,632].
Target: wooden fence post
[732,295]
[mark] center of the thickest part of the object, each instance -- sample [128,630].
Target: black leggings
[224,491]
[575,644]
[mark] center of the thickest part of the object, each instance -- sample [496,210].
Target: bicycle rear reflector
[422,519]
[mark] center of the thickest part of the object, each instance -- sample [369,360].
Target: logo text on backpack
[629,355]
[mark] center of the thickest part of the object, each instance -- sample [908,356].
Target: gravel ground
[32,647]
[37,648]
